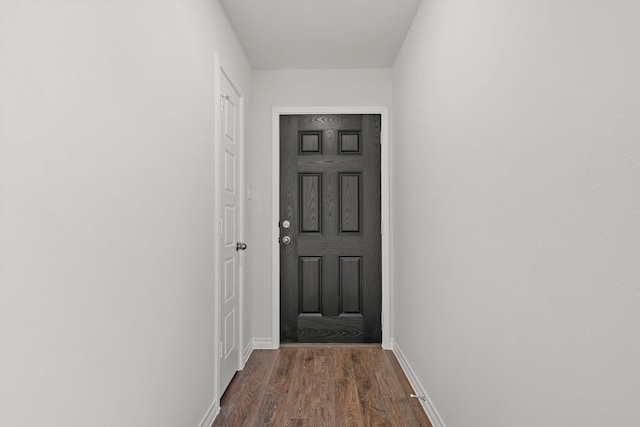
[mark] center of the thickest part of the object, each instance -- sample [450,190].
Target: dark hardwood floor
[321,386]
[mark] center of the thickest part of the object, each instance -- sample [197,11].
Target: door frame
[219,72]
[384,210]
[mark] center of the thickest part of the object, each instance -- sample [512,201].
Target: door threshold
[328,345]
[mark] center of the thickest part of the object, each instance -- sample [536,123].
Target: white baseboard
[256,344]
[427,404]
[246,354]
[264,344]
[211,414]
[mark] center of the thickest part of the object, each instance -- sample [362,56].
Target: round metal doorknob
[241,246]
[286,240]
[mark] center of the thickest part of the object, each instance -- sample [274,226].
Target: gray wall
[516,219]
[106,210]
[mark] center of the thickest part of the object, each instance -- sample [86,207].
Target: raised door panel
[350,196]
[230,120]
[350,284]
[310,142]
[230,333]
[310,203]
[310,285]
[229,173]
[349,142]
[230,226]
[229,279]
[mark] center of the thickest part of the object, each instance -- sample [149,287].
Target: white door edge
[385,211]
[219,72]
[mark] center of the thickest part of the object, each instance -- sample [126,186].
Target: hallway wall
[290,88]
[106,210]
[516,231]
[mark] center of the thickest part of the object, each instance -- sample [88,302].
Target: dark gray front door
[330,243]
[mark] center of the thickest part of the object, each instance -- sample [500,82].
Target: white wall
[289,88]
[106,204]
[517,210]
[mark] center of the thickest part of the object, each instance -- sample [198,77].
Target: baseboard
[211,414]
[256,344]
[246,354]
[427,403]
[264,344]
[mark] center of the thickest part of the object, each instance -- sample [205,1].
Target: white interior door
[230,164]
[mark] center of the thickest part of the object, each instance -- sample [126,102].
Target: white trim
[385,210]
[211,414]
[256,344]
[246,353]
[216,239]
[263,344]
[220,70]
[427,403]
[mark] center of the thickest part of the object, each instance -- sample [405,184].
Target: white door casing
[385,209]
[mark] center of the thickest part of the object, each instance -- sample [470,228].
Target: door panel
[330,192]
[230,229]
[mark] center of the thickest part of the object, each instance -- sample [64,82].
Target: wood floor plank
[402,378]
[348,410]
[282,371]
[271,410]
[299,398]
[368,390]
[387,378]
[401,411]
[343,364]
[297,423]
[418,411]
[321,386]
[323,405]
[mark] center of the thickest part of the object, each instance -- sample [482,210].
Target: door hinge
[381,319]
[220,349]
[220,226]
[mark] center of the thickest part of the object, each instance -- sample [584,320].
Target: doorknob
[241,246]
[286,240]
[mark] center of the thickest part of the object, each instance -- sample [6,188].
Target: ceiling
[279,34]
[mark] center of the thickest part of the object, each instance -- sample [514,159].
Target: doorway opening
[332,204]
